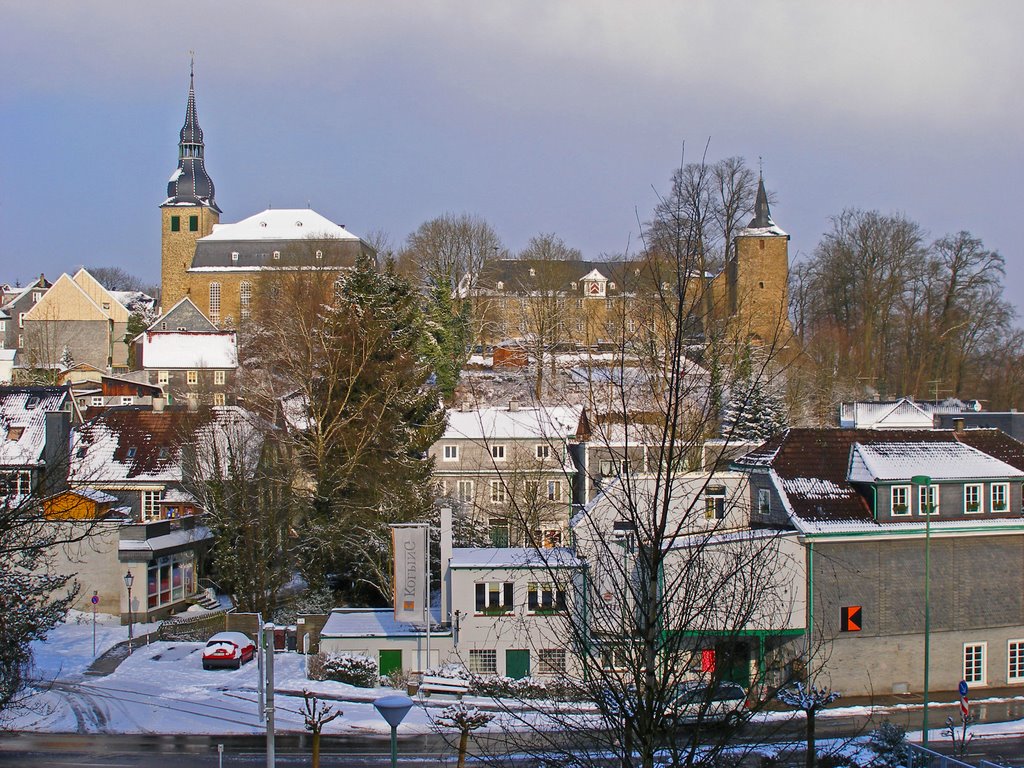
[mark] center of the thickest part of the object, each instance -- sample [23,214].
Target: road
[34,750]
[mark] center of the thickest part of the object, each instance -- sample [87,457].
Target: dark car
[228,649]
[698,702]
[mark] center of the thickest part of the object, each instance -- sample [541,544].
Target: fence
[926,758]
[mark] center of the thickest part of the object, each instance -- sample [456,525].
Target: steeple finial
[762,213]
[190,184]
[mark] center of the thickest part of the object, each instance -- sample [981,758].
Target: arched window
[245,299]
[215,303]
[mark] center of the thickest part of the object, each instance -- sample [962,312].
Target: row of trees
[880,307]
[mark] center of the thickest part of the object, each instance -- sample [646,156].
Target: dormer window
[277,254]
[533,272]
[611,286]
[32,402]
[234,255]
[263,224]
[298,223]
[573,285]
[900,497]
[1000,497]
[500,286]
[319,254]
[131,452]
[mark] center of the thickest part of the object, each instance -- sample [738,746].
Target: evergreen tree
[755,409]
[371,418]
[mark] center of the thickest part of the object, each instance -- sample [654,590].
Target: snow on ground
[163,688]
[67,650]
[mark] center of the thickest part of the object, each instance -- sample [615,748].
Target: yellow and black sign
[850,619]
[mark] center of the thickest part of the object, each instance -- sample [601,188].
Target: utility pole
[268,639]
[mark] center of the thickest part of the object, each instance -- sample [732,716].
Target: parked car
[697,702]
[228,649]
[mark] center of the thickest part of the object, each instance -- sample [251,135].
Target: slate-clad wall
[977,595]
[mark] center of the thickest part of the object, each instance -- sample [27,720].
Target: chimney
[446,558]
[159,403]
[513,405]
[958,425]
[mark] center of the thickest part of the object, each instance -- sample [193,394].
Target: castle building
[223,268]
[591,304]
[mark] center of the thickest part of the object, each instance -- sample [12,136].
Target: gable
[101,296]
[65,301]
[183,316]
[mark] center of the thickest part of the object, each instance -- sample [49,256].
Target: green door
[390,661]
[517,664]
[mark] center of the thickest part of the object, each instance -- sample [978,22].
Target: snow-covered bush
[345,668]
[526,688]
[889,743]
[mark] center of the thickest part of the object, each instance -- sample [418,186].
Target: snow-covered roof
[280,224]
[94,495]
[184,349]
[23,422]
[939,527]
[774,230]
[135,301]
[882,462]
[167,541]
[522,423]
[904,413]
[513,557]
[374,622]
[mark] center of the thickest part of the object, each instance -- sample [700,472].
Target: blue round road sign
[963,687]
[95,599]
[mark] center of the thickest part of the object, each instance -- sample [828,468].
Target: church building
[222,268]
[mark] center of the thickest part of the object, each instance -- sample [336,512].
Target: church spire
[762,213]
[190,184]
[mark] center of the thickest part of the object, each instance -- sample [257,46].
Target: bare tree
[450,250]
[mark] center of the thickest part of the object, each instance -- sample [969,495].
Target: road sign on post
[965,705]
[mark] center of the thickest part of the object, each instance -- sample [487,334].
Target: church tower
[758,277]
[190,210]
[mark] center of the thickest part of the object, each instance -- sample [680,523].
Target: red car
[228,649]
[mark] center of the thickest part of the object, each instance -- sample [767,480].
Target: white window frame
[214,295]
[899,496]
[764,501]
[450,452]
[163,377]
[554,490]
[483,661]
[543,451]
[1004,488]
[551,662]
[498,451]
[1015,660]
[192,378]
[465,489]
[974,671]
[218,378]
[975,491]
[714,503]
[541,606]
[497,491]
[96,401]
[219,398]
[21,319]
[150,509]
[245,299]
[926,494]
[127,400]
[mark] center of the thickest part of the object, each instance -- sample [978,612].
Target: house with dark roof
[871,508]
[16,304]
[35,423]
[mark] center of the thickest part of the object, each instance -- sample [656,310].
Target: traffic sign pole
[94,599]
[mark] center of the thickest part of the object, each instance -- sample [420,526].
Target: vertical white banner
[410,549]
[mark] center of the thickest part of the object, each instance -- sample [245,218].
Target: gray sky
[537,116]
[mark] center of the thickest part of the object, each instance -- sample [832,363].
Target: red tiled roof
[813,464]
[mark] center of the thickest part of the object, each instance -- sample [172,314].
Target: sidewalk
[935,698]
[112,658]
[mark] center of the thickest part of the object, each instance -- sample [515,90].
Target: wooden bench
[435,684]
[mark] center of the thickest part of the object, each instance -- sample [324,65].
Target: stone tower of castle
[758,277]
[190,210]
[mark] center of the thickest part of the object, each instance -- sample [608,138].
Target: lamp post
[128,581]
[393,709]
[924,481]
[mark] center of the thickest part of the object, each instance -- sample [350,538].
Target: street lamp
[924,481]
[393,709]
[128,581]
